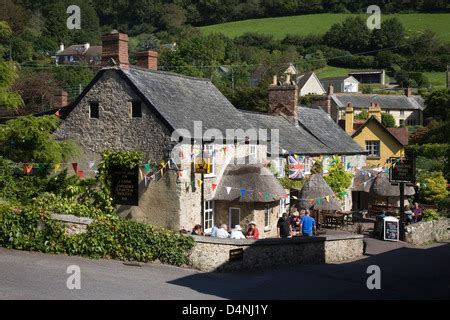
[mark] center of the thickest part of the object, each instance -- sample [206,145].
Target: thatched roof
[364,179]
[254,178]
[383,187]
[314,188]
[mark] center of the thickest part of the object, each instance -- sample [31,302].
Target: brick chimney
[115,46]
[60,99]
[375,110]
[283,99]
[349,116]
[408,92]
[147,59]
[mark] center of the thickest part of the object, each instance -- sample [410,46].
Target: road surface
[406,273]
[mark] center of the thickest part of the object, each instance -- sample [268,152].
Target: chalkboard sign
[125,185]
[390,229]
[236,254]
[402,170]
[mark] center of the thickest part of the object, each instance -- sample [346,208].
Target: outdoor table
[348,217]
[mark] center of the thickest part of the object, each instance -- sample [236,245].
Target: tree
[338,179]
[30,139]
[388,120]
[8,73]
[390,35]
[363,115]
[352,35]
[438,105]
[435,188]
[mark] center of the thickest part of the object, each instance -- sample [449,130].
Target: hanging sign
[402,170]
[125,185]
[202,165]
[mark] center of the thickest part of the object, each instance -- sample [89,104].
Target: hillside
[320,23]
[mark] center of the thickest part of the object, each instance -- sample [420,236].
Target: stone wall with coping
[213,254]
[73,225]
[424,232]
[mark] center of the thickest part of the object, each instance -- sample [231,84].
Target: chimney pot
[274,80]
[147,59]
[408,92]
[60,99]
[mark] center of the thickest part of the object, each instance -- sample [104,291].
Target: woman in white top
[236,233]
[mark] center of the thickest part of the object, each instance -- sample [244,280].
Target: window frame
[91,105]
[373,143]
[279,165]
[267,213]
[208,210]
[229,216]
[253,156]
[133,105]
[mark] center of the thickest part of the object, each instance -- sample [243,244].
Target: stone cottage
[171,118]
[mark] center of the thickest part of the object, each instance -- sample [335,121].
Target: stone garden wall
[425,232]
[213,254]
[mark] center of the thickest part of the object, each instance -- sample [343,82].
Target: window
[402,112]
[326,163]
[284,202]
[234,217]
[373,147]
[307,165]
[267,213]
[94,110]
[136,109]
[253,153]
[208,218]
[210,152]
[279,166]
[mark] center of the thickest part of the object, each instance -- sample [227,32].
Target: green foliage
[438,105]
[387,120]
[435,188]
[30,139]
[338,179]
[107,237]
[430,215]
[363,115]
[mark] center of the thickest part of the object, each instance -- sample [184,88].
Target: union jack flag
[295,167]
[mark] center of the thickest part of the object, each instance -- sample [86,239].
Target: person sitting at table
[417,212]
[223,231]
[252,231]
[197,230]
[236,233]
[408,215]
[308,225]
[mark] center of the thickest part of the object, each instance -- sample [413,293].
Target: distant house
[79,53]
[369,76]
[283,70]
[406,109]
[380,142]
[308,83]
[341,84]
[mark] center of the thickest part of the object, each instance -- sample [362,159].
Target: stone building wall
[213,254]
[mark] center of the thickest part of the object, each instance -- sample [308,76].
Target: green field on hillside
[415,23]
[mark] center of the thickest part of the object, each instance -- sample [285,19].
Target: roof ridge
[169,73]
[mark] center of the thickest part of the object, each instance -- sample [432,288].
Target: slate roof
[365,71]
[386,101]
[181,100]
[303,78]
[291,138]
[319,124]
[80,49]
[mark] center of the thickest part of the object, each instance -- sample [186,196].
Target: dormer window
[136,109]
[94,110]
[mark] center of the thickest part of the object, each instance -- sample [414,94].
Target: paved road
[406,273]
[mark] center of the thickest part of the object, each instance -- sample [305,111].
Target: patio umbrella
[363,180]
[317,188]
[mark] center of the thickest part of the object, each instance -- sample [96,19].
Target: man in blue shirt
[308,225]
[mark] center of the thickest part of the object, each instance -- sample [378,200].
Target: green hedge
[429,150]
[107,237]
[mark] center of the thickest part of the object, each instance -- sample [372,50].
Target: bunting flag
[75,166]
[319,201]
[259,194]
[243,191]
[228,190]
[180,173]
[266,196]
[311,201]
[225,149]
[349,165]
[327,198]
[27,168]
[147,167]
[57,114]
[295,167]
[162,163]
[91,164]
[41,167]
[80,173]
[294,197]
[199,182]
[213,186]
[283,151]
[56,167]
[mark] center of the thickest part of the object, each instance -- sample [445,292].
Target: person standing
[284,226]
[308,225]
[252,231]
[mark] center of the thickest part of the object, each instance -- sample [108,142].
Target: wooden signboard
[125,185]
[236,254]
[402,170]
[390,229]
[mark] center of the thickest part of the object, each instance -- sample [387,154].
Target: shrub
[435,188]
[430,214]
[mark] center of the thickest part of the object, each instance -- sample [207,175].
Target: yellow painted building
[380,142]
